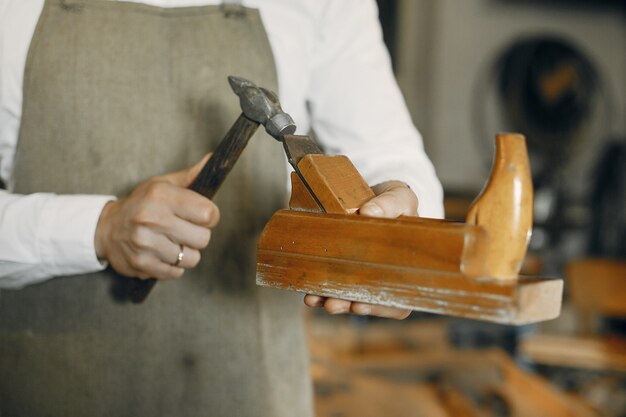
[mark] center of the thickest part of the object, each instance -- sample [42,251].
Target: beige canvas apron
[115,93]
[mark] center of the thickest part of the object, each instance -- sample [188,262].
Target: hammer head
[262,106]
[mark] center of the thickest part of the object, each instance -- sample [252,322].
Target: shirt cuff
[67,231]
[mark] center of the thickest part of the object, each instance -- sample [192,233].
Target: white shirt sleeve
[47,235]
[357,108]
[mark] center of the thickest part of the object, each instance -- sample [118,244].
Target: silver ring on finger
[180,256]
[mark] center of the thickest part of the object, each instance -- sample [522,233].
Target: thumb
[393,199]
[185,177]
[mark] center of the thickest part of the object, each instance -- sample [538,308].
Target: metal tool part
[296,147]
[262,106]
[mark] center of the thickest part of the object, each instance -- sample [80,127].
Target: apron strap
[233,8]
[230,8]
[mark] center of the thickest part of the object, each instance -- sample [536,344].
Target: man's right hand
[141,234]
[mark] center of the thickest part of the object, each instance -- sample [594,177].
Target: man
[101,99]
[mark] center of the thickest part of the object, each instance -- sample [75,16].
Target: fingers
[331,305]
[185,233]
[394,198]
[180,214]
[152,255]
[314,300]
[149,266]
[194,208]
[143,265]
[167,252]
[140,235]
[379,311]
[336,306]
[170,198]
[185,177]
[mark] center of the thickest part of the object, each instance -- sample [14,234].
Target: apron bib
[115,93]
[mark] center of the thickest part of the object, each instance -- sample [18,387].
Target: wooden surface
[345,395]
[406,242]
[301,198]
[470,381]
[598,285]
[505,207]
[224,157]
[408,262]
[530,395]
[335,182]
[577,352]
[409,369]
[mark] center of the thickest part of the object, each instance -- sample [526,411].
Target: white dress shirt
[334,74]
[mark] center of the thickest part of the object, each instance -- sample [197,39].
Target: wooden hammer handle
[208,182]
[224,157]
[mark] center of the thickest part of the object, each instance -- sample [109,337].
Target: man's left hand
[393,199]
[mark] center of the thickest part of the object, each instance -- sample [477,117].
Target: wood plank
[301,198]
[336,183]
[406,262]
[598,285]
[352,395]
[531,395]
[528,300]
[576,352]
[468,375]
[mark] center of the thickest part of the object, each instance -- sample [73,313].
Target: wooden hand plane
[322,246]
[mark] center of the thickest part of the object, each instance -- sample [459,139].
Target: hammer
[258,107]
